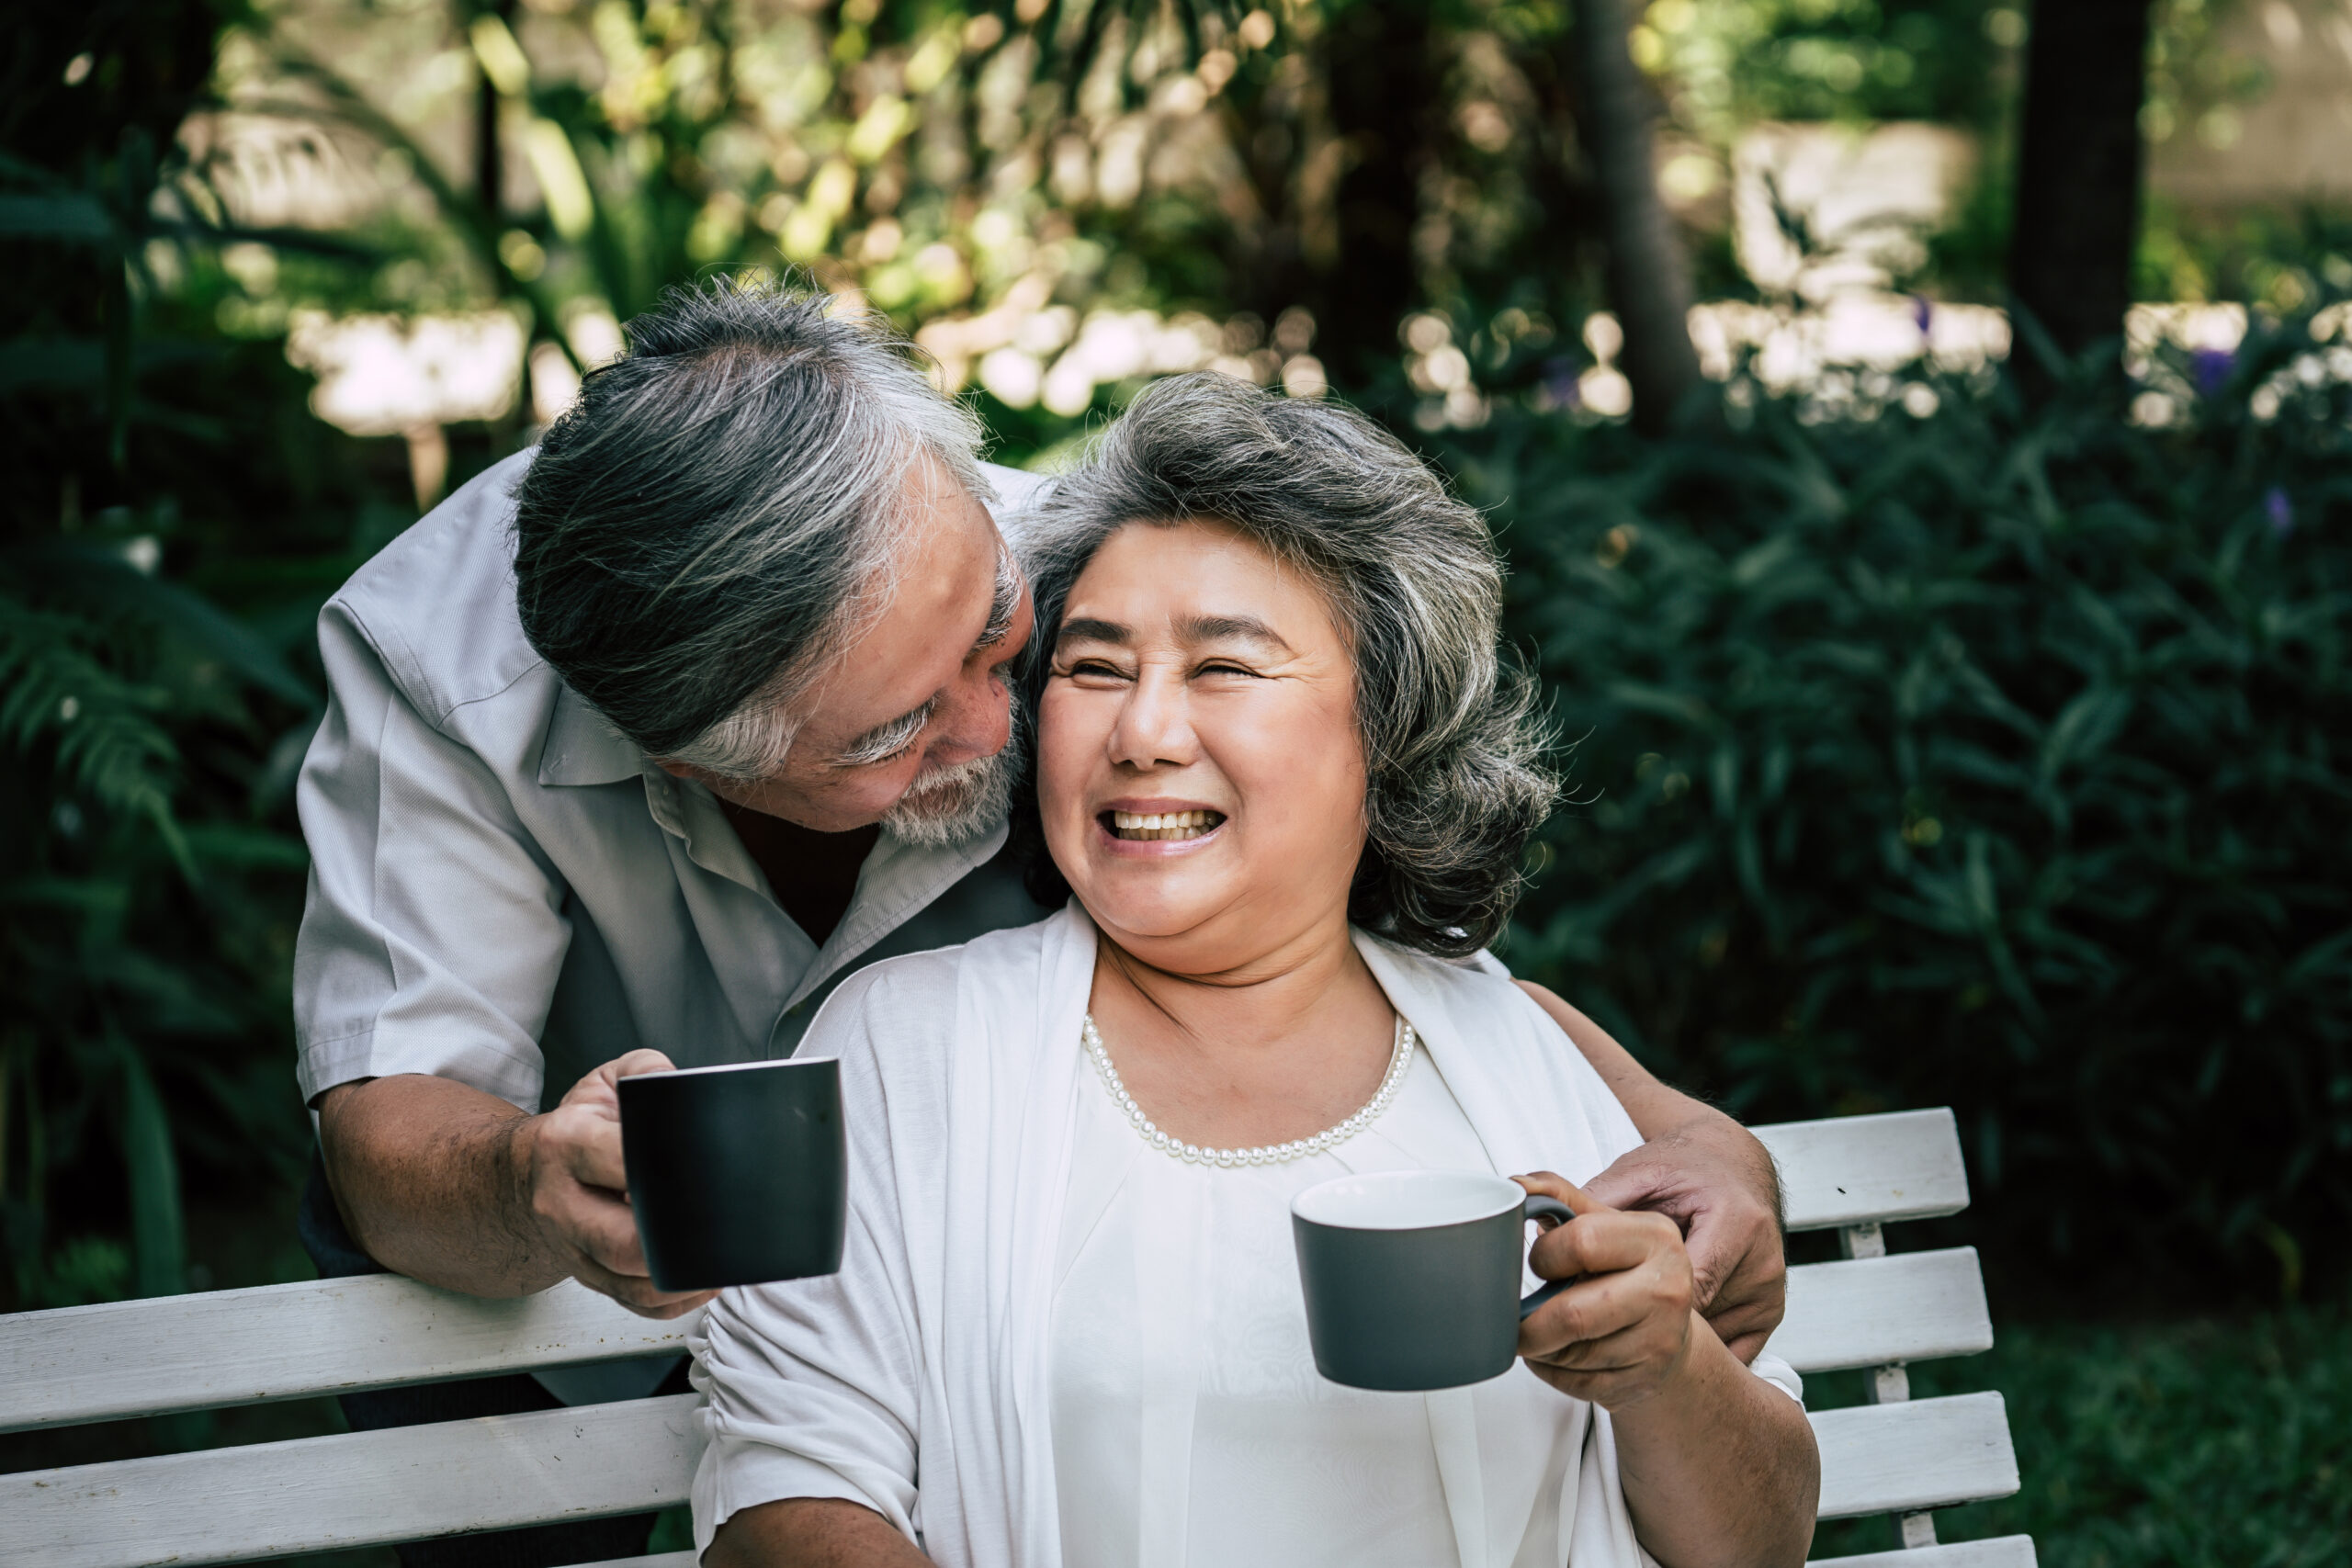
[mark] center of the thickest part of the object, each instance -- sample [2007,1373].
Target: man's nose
[977,720]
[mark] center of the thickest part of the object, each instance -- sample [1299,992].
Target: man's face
[908,708]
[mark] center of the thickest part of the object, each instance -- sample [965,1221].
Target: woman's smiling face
[1200,776]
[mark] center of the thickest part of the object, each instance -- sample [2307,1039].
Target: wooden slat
[356,1489]
[370,1488]
[294,1341]
[1850,1170]
[166,1353]
[2007,1552]
[1929,1453]
[1913,1306]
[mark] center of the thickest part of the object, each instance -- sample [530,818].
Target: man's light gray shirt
[505,892]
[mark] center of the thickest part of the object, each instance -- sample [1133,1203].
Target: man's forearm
[1656,1108]
[431,1183]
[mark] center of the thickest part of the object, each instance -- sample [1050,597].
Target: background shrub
[1982,759]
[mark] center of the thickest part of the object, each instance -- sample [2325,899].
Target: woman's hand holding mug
[1621,1333]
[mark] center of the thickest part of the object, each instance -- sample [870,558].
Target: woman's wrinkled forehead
[1267,574]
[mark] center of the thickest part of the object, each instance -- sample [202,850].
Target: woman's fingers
[1624,1325]
[1604,1304]
[1545,1184]
[1624,1368]
[1602,1241]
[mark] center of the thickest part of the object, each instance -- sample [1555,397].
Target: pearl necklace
[1399,1059]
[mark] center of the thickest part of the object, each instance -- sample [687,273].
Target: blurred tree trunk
[2079,161]
[489,157]
[1649,276]
[1382,73]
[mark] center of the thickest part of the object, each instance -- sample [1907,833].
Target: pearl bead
[1400,1061]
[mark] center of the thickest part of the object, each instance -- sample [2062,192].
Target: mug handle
[1541,1207]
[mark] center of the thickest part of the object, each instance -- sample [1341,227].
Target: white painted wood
[97,1363]
[1898,1459]
[2007,1552]
[356,1489]
[1851,1170]
[1911,1306]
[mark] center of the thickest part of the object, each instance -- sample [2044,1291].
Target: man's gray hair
[717,515]
[1450,735]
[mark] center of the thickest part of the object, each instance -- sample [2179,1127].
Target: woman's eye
[1222,668]
[1095,669]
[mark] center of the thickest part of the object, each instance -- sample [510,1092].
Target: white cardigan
[915,1382]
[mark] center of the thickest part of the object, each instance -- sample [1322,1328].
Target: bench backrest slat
[1851,1170]
[370,1488]
[355,1489]
[228,1347]
[1924,1453]
[1910,1306]
[2007,1552]
[167,1353]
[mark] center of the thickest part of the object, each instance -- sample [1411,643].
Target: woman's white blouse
[1189,1424]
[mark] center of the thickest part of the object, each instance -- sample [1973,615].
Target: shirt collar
[897,879]
[583,748]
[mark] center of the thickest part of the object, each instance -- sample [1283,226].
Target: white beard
[955,805]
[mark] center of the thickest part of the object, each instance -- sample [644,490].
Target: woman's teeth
[1164,824]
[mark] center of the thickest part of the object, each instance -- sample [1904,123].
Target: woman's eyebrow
[1082,628]
[1214,628]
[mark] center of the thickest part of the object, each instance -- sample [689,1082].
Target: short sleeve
[434,933]
[813,1387]
[1780,1374]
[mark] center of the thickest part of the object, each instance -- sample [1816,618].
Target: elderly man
[635,747]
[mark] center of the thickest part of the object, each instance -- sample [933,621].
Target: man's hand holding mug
[568,1166]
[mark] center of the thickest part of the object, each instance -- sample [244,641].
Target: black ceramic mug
[1412,1276]
[739,1174]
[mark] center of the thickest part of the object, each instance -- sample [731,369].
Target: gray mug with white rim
[1412,1277]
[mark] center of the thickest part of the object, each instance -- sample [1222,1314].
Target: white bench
[1895,1456]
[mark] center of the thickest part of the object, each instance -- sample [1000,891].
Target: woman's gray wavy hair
[1452,742]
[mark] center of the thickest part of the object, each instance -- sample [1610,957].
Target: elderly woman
[1283,777]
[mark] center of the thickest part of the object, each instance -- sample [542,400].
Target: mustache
[954,777]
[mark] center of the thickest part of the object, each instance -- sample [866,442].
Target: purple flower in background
[2280,509]
[1922,312]
[1560,381]
[2210,367]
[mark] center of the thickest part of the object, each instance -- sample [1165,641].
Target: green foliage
[176,518]
[1990,759]
[143,918]
[1733,62]
[2205,1445]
